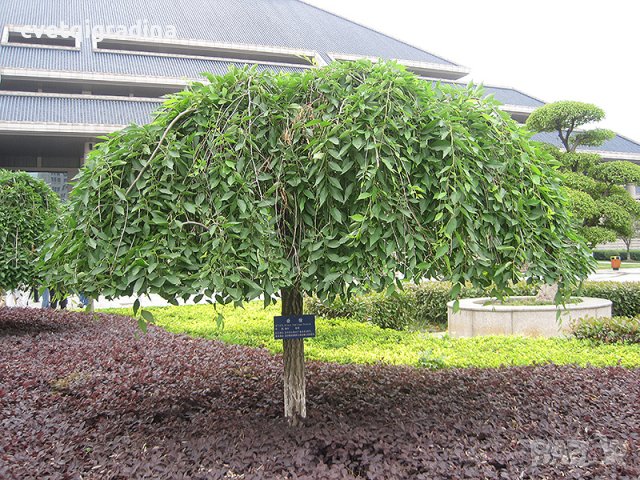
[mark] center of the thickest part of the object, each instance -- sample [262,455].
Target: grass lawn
[347,341]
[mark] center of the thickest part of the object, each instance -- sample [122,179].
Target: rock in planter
[476,317]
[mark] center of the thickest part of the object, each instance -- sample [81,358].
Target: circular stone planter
[476,319]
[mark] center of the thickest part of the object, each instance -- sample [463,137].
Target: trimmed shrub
[398,311]
[622,253]
[609,330]
[624,295]
[424,306]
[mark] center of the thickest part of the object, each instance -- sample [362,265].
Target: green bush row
[609,330]
[607,254]
[424,306]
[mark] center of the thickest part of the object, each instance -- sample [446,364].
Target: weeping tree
[28,211]
[326,182]
[598,198]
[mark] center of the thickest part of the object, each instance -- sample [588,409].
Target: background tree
[601,204]
[325,182]
[28,211]
[627,239]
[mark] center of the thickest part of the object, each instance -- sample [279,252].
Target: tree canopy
[604,209]
[28,210]
[564,118]
[329,181]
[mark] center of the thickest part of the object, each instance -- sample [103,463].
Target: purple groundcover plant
[95,399]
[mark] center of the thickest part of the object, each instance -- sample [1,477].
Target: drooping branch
[157,149]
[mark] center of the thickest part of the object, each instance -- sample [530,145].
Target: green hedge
[622,253]
[609,330]
[624,295]
[424,306]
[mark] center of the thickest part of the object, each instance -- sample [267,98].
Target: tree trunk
[295,410]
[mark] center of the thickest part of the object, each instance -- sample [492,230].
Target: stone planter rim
[476,305]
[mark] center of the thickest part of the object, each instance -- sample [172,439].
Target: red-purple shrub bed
[85,398]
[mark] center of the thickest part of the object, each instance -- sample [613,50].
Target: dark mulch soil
[84,398]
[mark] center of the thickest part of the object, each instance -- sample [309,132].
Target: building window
[209,50]
[43,37]
[58,181]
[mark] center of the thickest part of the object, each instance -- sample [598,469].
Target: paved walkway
[622,275]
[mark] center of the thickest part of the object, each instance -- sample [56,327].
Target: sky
[587,51]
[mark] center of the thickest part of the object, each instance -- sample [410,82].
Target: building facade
[74,70]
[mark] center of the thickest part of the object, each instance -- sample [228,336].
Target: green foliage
[594,137]
[396,311]
[28,209]
[424,306]
[348,341]
[582,204]
[611,211]
[330,180]
[564,115]
[416,307]
[617,172]
[577,161]
[597,235]
[564,118]
[580,181]
[609,330]
[614,217]
[430,361]
[624,295]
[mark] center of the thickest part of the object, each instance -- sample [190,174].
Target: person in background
[50,300]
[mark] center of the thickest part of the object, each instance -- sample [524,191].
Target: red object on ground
[615,263]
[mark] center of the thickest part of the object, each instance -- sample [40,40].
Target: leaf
[442,250]
[142,325]
[220,322]
[357,142]
[148,316]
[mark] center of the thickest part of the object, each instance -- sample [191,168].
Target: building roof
[505,95]
[616,144]
[511,96]
[274,23]
[74,110]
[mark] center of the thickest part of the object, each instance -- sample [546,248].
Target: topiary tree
[604,209]
[565,118]
[28,211]
[325,182]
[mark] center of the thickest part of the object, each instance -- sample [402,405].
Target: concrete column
[88,146]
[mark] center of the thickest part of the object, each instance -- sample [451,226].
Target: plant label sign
[294,326]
